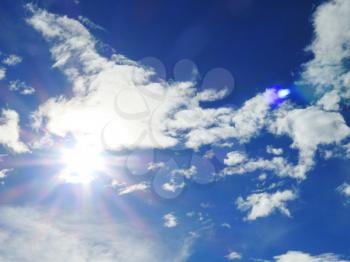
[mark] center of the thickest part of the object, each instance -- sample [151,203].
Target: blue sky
[174,131]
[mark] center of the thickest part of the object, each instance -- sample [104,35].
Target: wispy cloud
[264,204]
[21,87]
[26,234]
[143,186]
[12,60]
[292,256]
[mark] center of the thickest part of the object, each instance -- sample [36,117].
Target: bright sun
[81,164]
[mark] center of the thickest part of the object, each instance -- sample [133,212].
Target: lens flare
[283,93]
[82,163]
[276,95]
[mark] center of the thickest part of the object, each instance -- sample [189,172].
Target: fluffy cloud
[292,256]
[79,238]
[234,158]
[264,204]
[114,99]
[234,256]
[309,128]
[118,103]
[170,220]
[10,132]
[119,100]
[12,60]
[328,71]
[209,126]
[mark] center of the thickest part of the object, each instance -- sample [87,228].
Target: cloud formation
[170,220]
[78,238]
[143,186]
[4,172]
[120,104]
[344,189]
[21,87]
[264,204]
[293,256]
[10,132]
[12,60]
[233,256]
[328,71]
[2,73]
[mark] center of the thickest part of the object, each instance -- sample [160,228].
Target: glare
[283,93]
[81,164]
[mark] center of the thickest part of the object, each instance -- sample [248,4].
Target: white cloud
[12,60]
[264,204]
[278,165]
[234,158]
[117,104]
[172,185]
[309,128]
[2,73]
[155,166]
[209,126]
[209,154]
[262,177]
[29,234]
[186,172]
[234,256]
[155,114]
[344,189]
[86,21]
[10,131]
[209,95]
[328,71]
[274,151]
[143,186]
[21,87]
[170,220]
[4,172]
[226,225]
[293,256]
[113,99]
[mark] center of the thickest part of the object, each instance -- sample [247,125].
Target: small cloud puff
[233,256]
[170,220]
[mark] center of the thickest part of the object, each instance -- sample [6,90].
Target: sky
[176,131]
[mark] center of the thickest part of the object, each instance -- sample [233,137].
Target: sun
[81,164]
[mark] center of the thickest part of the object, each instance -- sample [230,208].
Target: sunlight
[81,164]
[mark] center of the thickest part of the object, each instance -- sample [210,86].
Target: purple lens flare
[276,95]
